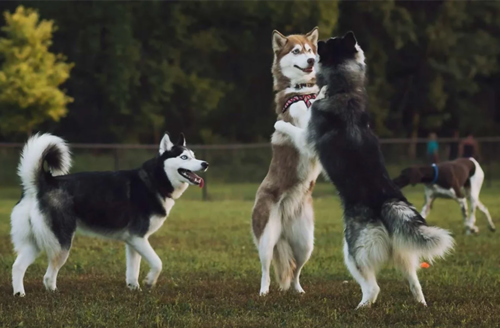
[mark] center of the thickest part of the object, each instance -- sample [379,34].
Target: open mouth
[191,177]
[305,70]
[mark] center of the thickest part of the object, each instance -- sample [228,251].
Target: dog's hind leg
[266,245]
[483,209]
[365,276]
[408,263]
[302,242]
[27,254]
[56,261]
[366,248]
[142,246]
[24,243]
[54,233]
[473,193]
[133,267]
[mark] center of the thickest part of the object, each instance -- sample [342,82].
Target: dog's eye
[295,51]
[310,50]
[184,157]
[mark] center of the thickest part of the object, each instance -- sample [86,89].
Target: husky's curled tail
[38,150]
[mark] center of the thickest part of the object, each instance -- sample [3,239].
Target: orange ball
[424,265]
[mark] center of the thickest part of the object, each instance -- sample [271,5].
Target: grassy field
[211,275]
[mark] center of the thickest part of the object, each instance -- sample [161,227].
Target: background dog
[282,216]
[450,180]
[125,205]
[380,224]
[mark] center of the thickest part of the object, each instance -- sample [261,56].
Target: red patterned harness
[297,98]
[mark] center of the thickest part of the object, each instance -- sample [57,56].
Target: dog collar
[436,173]
[304,85]
[297,98]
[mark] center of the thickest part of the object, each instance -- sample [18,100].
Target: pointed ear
[279,41]
[350,39]
[182,140]
[165,144]
[312,36]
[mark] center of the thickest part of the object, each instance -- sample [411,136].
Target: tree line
[128,71]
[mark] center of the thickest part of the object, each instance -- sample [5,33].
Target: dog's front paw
[134,286]
[148,284]
[322,93]
[364,305]
[264,291]
[281,126]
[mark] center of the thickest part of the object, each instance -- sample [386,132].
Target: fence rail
[241,146]
[238,163]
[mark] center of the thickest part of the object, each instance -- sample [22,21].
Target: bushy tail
[411,233]
[284,264]
[39,149]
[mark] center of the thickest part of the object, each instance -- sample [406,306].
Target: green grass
[211,275]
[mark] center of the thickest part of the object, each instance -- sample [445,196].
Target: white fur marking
[165,144]
[360,55]
[31,156]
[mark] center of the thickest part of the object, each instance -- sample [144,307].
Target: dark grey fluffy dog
[380,224]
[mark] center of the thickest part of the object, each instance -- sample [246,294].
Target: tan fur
[285,193]
[283,174]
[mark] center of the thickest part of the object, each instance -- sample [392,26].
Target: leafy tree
[204,67]
[427,64]
[30,74]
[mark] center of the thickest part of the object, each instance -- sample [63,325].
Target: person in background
[453,146]
[432,148]
[469,147]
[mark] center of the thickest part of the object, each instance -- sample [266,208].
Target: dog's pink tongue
[202,183]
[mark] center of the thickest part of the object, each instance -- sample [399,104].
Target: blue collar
[436,173]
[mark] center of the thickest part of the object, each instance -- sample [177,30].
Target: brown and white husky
[282,217]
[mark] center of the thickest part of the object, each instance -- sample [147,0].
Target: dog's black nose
[311,61]
[204,165]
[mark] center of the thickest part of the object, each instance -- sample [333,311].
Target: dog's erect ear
[312,36]
[415,176]
[279,41]
[165,144]
[350,39]
[182,140]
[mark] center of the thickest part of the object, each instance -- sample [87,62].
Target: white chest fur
[155,222]
[169,203]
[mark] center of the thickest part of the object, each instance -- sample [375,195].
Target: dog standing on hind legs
[282,216]
[124,205]
[380,225]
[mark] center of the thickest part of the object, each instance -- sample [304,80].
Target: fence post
[116,159]
[204,190]
[490,172]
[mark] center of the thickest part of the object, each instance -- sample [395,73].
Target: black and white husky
[380,224]
[123,205]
